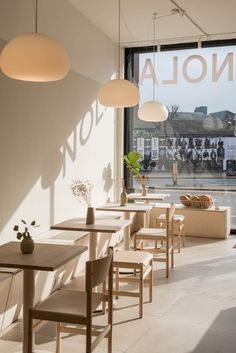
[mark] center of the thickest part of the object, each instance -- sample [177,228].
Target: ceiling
[215,17]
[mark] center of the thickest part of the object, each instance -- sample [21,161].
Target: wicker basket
[204,204]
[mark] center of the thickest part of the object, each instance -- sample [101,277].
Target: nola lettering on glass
[216,69]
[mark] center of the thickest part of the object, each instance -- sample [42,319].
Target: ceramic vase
[27,245]
[90,218]
[123,198]
[144,190]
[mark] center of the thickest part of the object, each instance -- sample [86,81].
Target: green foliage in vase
[131,161]
[25,232]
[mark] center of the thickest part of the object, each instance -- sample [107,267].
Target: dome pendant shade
[34,57]
[153,111]
[118,93]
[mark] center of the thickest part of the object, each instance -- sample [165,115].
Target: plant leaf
[15,228]
[134,156]
[19,235]
[23,221]
[33,223]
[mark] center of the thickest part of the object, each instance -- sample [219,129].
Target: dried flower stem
[82,190]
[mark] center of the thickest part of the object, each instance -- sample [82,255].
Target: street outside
[222,188]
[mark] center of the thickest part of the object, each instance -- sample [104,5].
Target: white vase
[144,190]
[123,198]
[90,218]
[27,245]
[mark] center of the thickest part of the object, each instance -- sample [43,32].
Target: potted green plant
[27,243]
[132,162]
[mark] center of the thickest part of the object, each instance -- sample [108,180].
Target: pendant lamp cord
[36,15]
[153,60]
[119,41]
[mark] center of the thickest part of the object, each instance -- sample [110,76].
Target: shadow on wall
[36,120]
[107,177]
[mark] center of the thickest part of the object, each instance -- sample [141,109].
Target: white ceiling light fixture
[118,93]
[35,57]
[153,110]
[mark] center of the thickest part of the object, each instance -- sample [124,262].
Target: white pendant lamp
[153,110]
[35,57]
[118,93]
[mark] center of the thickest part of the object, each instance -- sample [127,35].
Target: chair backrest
[170,211]
[97,271]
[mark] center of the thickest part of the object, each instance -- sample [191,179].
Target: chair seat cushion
[68,302]
[151,232]
[130,256]
[177,217]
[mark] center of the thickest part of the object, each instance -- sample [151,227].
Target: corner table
[46,257]
[127,210]
[100,226]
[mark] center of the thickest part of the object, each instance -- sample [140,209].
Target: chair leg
[117,282]
[151,281]
[179,240]
[172,255]
[183,235]
[135,242]
[30,332]
[58,337]
[110,321]
[109,342]
[89,337]
[141,291]
[104,287]
[167,265]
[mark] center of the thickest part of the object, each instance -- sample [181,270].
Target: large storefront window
[199,137]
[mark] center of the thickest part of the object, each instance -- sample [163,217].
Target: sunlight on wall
[52,133]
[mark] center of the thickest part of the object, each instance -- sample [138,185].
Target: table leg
[146,219]
[126,232]
[92,246]
[28,302]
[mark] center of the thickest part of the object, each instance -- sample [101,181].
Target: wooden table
[127,210]
[148,197]
[46,257]
[100,226]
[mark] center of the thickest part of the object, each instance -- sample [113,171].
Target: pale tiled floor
[194,311]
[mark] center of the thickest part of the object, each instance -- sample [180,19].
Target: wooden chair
[77,307]
[178,230]
[164,252]
[142,267]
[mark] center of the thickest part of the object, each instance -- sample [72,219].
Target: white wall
[53,132]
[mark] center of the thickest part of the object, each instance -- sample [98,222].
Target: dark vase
[27,245]
[90,218]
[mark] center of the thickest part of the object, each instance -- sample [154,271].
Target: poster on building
[140,146]
[155,148]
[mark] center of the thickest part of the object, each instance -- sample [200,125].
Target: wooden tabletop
[151,197]
[46,257]
[130,207]
[100,225]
